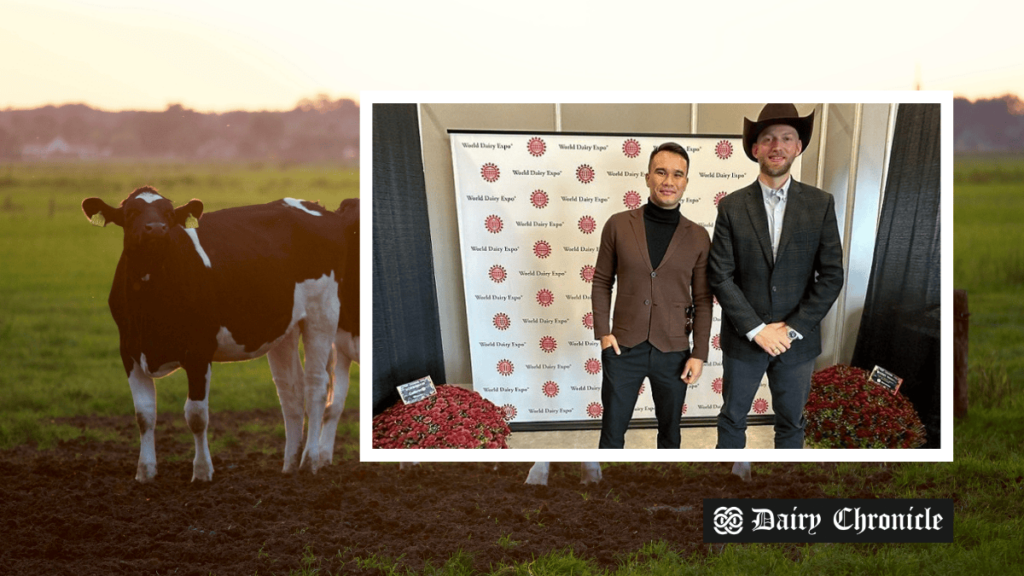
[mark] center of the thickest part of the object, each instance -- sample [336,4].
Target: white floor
[757,437]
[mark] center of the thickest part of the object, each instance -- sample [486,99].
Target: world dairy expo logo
[684,407]
[719,196]
[587,273]
[497,273]
[548,344]
[632,199]
[510,412]
[536,146]
[585,174]
[505,367]
[539,198]
[631,148]
[545,298]
[587,224]
[541,249]
[550,389]
[490,172]
[588,320]
[592,366]
[642,388]
[728,520]
[716,385]
[716,341]
[723,149]
[760,405]
[493,224]
[594,410]
[501,321]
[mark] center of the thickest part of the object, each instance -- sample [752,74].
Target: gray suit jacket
[798,287]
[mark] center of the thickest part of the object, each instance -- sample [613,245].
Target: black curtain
[406,327]
[899,330]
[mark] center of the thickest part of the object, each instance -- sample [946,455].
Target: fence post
[960,329]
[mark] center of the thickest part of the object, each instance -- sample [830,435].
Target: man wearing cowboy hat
[776,266]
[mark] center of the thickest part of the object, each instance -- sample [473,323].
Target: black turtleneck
[660,224]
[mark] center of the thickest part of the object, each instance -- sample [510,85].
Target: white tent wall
[847,157]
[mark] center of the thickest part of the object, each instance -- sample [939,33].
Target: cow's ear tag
[191,222]
[98,219]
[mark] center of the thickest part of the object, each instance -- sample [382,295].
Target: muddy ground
[76,509]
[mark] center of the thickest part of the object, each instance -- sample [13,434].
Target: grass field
[58,342]
[59,357]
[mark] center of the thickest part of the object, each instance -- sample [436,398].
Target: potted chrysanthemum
[847,410]
[452,418]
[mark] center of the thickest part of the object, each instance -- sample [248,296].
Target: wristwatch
[793,334]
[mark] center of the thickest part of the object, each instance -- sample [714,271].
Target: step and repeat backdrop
[531,209]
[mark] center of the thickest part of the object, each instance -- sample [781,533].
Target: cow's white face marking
[149,197]
[298,204]
[195,241]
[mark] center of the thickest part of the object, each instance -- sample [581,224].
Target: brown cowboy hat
[777,114]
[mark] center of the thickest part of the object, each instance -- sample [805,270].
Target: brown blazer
[651,304]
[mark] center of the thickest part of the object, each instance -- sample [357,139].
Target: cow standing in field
[246,283]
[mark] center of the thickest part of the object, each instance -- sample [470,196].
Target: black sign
[418,390]
[882,376]
[828,520]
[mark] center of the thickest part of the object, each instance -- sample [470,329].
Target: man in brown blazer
[659,259]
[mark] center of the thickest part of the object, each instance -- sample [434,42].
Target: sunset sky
[219,56]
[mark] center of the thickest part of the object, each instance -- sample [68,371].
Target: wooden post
[960,329]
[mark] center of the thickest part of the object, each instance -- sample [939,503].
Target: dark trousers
[620,387]
[790,385]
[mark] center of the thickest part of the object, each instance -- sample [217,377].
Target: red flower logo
[587,273]
[490,172]
[716,385]
[539,198]
[631,148]
[716,341]
[505,367]
[493,224]
[550,389]
[497,273]
[585,174]
[760,405]
[594,410]
[510,412]
[541,249]
[593,366]
[548,344]
[545,298]
[632,199]
[588,320]
[642,388]
[501,321]
[719,196]
[587,224]
[684,407]
[714,300]
[723,149]
[536,146]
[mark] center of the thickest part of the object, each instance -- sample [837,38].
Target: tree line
[316,130]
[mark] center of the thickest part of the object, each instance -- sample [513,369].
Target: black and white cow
[246,283]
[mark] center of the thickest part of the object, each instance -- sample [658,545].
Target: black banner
[828,520]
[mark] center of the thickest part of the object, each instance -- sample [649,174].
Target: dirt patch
[76,508]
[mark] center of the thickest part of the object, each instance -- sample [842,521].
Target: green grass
[58,342]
